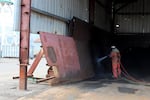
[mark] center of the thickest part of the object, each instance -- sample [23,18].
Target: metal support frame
[35,63]
[24,42]
[91,11]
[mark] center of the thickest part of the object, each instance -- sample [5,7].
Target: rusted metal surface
[24,42]
[35,63]
[81,32]
[61,53]
[45,79]
[85,59]
[17,77]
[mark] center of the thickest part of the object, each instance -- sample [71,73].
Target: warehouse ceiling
[119,1]
[124,1]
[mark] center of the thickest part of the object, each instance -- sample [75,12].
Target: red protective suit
[115,55]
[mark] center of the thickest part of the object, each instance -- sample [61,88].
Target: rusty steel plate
[61,52]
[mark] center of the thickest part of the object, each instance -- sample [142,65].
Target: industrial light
[117,26]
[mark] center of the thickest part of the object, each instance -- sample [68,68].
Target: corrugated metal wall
[64,8]
[134,18]
[17,6]
[102,15]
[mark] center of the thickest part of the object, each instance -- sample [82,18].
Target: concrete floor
[94,89]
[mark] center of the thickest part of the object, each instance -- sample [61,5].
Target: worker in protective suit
[115,57]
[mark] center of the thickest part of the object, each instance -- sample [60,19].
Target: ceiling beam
[91,11]
[123,6]
[133,13]
[100,3]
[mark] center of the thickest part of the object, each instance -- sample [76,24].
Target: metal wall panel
[64,8]
[130,24]
[46,24]
[134,18]
[17,11]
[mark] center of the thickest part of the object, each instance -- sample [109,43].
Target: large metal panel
[80,30]
[61,52]
[81,33]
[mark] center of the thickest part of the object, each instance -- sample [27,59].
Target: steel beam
[91,11]
[24,42]
[133,13]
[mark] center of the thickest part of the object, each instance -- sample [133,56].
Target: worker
[115,57]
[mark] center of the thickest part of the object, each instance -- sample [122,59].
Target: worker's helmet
[113,47]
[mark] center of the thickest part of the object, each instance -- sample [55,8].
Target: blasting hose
[131,79]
